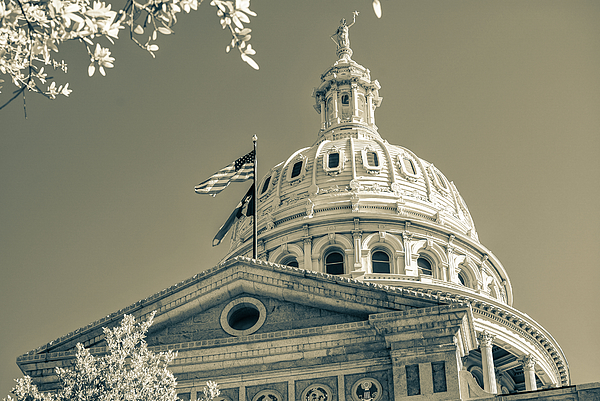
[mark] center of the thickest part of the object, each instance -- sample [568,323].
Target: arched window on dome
[290,261]
[334,263]
[462,279]
[424,267]
[381,262]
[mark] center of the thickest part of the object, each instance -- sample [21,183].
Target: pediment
[279,315]
[297,299]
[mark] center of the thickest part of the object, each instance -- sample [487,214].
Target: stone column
[528,362]
[487,361]
[334,96]
[370,113]
[354,87]
[307,253]
[323,115]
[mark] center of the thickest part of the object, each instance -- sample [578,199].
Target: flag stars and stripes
[240,170]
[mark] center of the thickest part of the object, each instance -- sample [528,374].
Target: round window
[243,316]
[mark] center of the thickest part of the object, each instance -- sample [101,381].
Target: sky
[97,207]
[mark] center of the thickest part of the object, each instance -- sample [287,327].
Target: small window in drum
[345,99]
[334,263]
[381,262]
[424,267]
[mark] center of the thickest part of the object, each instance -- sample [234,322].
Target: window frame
[404,171]
[431,265]
[365,160]
[340,166]
[389,261]
[290,168]
[328,253]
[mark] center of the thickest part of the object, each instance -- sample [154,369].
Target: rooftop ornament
[341,38]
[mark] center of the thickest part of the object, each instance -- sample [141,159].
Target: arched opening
[345,99]
[462,279]
[381,262]
[334,263]
[290,261]
[424,267]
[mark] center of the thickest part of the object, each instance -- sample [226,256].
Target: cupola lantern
[346,95]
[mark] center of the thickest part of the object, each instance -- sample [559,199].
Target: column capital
[528,361]
[485,339]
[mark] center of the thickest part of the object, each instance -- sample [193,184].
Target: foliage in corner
[31,32]
[129,371]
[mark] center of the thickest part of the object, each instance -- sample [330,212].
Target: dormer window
[265,186]
[371,160]
[297,169]
[333,161]
[439,180]
[407,167]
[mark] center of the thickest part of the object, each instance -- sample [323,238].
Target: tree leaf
[91,69]
[249,61]
[139,30]
[164,30]
[377,8]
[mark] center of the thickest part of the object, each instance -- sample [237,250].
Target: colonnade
[489,372]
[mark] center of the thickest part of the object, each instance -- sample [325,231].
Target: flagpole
[255,218]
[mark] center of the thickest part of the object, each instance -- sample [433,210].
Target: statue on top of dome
[341,37]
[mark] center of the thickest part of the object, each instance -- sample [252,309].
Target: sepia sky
[97,207]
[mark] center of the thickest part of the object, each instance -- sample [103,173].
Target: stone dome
[387,215]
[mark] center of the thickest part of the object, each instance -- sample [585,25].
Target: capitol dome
[356,207]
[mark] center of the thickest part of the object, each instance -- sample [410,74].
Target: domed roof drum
[356,206]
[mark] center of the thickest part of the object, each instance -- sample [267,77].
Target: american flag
[240,170]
